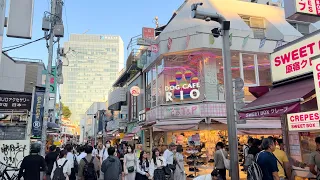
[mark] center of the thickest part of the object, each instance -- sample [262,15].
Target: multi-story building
[93,62]
[20,74]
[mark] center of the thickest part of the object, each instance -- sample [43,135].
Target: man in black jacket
[32,164]
[50,158]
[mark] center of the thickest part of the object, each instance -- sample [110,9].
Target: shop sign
[37,115]
[302,10]
[304,121]
[135,91]
[148,33]
[182,111]
[182,89]
[270,112]
[316,77]
[294,60]
[169,43]
[15,101]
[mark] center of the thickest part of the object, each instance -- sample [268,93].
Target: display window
[307,144]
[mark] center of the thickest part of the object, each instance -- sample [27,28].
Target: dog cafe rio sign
[183,88]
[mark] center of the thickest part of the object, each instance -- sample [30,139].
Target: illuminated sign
[302,10]
[135,91]
[295,60]
[303,121]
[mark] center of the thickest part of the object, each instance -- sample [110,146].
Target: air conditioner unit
[256,22]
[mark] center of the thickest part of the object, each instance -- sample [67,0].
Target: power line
[21,45]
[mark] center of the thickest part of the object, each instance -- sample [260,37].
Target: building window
[301,27]
[249,69]
[134,107]
[257,25]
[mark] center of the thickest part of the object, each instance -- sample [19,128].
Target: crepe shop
[292,98]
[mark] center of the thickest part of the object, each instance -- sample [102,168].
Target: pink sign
[154,48]
[182,111]
[169,43]
[148,33]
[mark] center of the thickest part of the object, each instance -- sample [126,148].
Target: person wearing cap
[32,164]
[168,157]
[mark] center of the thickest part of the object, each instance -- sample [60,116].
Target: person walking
[63,163]
[143,167]
[32,164]
[267,161]
[179,173]
[157,164]
[168,157]
[50,158]
[129,164]
[89,166]
[82,154]
[104,153]
[219,160]
[111,167]
[283,163]
[71,158]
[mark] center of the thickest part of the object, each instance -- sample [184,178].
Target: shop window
[249,69]
[264,70]
[303,28]
[148,89]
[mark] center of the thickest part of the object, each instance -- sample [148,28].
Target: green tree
[66,111]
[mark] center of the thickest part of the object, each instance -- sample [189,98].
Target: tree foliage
[66,111]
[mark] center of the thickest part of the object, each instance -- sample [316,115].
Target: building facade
[93,62]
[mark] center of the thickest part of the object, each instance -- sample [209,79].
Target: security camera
[216,32]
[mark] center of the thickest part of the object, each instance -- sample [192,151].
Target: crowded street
[166,90]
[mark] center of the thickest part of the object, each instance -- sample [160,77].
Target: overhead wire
[22,45]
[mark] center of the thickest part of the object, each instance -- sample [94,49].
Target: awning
[279,101]
[177,125]
[256,124]
[112,132]
[129,136]
[52,125]
[147,124]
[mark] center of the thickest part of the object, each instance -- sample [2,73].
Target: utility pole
[48,77]
[228,83]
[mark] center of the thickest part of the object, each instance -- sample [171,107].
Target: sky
[120,17]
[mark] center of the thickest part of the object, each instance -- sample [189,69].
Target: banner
[316,76]
[245,40]
[262,42]
[279,43]
[230,39]
[37,113]
[211,39]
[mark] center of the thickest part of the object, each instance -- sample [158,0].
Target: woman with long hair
[179,173]
[129,164]
[143,167]
[158,163]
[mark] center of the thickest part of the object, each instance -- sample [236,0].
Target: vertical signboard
[316,76]
[302,10]
[37,115]
[53,80]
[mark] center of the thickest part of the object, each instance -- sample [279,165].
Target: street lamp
[232,129]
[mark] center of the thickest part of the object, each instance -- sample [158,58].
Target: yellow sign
[57,143]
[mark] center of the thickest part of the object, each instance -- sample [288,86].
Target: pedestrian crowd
[264,160]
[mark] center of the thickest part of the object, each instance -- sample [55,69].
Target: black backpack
[75,164]
[58,172]
[89,172]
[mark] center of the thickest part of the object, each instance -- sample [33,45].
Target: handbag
[226,161]
[167,170]
[130,169]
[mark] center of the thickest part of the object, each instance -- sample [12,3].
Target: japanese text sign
[303,121]
[147,33]
[316,77]
[15,101]
[308,7]
[294,60]
[182,111]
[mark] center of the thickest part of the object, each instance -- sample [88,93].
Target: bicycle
[5,171]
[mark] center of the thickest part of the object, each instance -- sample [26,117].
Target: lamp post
[232,129]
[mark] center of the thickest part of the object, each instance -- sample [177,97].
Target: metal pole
[232,129]
[47,92]
[95,130]
[2,20]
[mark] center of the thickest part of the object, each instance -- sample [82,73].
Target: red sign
[154,48]
[169,43]
[148,33]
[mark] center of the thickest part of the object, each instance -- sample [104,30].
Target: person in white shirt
[104,153]
[143,167]
[66,167]
[168,157]
[157,164]
[71,158]
[81,155]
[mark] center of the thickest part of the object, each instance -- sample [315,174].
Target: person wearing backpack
[111,167]
[61,168]
[267,161]
[72,160]
[89,166]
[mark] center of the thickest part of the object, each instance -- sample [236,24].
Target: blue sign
[37,114]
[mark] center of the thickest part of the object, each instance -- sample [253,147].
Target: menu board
[294,145]
[12,132]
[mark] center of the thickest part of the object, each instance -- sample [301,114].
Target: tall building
[92,65]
